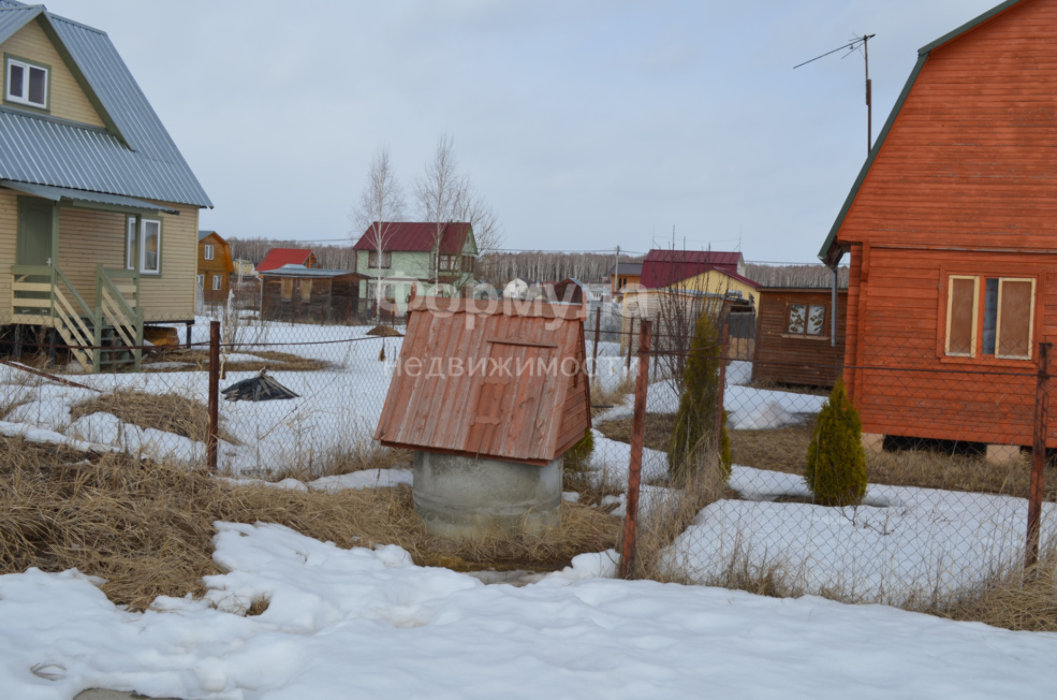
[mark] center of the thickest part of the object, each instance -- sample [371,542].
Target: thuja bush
[578,456]
[836,461]
[694,442]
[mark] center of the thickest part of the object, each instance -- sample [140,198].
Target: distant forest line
[498,268]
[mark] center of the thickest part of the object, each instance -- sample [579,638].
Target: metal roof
[294,270]
[416,236]
[63,194]
[134,156]
[494,378]
[277,257]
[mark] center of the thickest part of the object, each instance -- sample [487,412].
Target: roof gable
[277,257]
[661,268]
[417,236]
[133,155]
[831,252]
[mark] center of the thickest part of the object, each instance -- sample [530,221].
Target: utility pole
[851,46]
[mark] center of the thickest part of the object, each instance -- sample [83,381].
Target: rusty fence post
[631,338]
[1038,456]
[214,394]
[724,351]
[594,355]
[627,552]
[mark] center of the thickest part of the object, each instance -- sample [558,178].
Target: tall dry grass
[147,528]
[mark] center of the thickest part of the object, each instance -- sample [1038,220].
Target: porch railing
[43,295]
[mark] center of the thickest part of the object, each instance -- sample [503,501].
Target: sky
[584,124]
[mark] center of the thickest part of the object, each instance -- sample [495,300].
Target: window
[372,259]
[286,288]
[201,281]
[27,83]
[807,319]
[306,289]
[449,263]
[207,251]
[218,282]
[149,246]
[990,317]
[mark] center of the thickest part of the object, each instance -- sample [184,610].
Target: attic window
[207,251]
[26,83]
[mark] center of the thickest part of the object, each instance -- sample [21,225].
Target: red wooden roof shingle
[277,257]
[494,378]
[415,236]
[661,268]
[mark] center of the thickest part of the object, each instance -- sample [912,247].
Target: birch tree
[381,204]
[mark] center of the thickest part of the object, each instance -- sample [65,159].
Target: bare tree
[381,204]
[446,195]
[441,192]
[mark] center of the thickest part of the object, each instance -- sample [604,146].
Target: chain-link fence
[950,478]
[956,498]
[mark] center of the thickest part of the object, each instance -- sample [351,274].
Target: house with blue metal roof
[98,208]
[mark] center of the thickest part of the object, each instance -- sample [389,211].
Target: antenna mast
[851,46]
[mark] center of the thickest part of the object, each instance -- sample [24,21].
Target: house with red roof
[397,256]
[663,268]
[277,257]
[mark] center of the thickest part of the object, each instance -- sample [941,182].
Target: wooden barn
[502,379]
[794,338]
[309,295]
[951,227]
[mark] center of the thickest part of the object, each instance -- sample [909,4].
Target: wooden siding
[221,264]
[485,378]
[962,184]
[330,299]
[787,358]
[8,245]
[66,97]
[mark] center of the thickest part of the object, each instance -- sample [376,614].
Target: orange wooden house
[486,378]
[951,227]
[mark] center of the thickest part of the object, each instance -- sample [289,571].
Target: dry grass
[147,528]
[603,398]
[1016,600]
[199,360]
[171,413]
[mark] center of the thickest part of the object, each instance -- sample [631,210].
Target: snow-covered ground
[369,624]
[362,623]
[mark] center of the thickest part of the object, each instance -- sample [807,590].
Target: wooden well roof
[495,378]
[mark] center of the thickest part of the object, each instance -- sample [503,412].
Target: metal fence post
[1038,456]
[627,555]
[631,339]
[724,351]
[594,355]
[214,394]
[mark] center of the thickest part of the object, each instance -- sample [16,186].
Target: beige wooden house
[98,209]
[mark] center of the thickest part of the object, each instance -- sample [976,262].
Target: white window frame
[207,251]
[201,281]
[130,242]
[27,70]
[217,283]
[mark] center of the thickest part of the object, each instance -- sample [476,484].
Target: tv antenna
[851,46]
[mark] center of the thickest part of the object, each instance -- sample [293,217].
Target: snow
[369,623]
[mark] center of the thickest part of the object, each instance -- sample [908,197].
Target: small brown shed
[793,336]
[309,295]
[489,378]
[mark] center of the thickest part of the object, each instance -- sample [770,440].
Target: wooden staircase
[109,335]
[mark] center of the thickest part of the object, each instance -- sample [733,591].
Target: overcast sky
[585,124]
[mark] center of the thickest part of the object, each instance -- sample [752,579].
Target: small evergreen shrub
[836,460]
[578,456]
[693,435]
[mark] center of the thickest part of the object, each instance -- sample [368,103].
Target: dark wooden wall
[787,358]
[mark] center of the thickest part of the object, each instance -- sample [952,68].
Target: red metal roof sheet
[496,378]
[661,268]
[277,257]
[415,236]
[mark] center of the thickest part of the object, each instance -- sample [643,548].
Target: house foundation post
[873,442]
